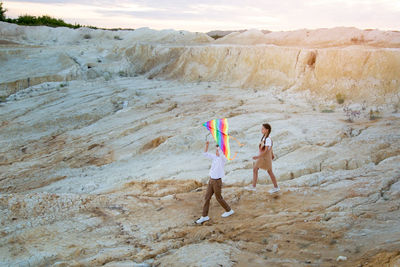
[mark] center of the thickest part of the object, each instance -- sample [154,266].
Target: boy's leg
[217,190]
[207,198]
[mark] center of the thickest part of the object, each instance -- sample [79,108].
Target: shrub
[396,105]
[122,74]
[340,98]
[28,20]
[357,40]
[374,115]
[2,12]
[215,37]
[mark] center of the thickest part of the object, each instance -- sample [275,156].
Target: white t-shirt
[268,142]
[217,165]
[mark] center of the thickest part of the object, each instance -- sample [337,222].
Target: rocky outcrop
[352,72]
[326,63]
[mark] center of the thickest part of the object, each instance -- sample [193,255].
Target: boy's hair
[217,145]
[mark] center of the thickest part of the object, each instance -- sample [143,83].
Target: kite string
[212,128]
[207,136]
[234,156]
[236,140]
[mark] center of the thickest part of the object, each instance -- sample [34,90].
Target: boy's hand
[255,157]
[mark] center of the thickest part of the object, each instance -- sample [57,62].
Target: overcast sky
[209,15]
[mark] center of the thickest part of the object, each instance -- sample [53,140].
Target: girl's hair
[268,127]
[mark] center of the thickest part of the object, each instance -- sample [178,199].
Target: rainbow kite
[219,130]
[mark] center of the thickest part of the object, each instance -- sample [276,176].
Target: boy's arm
[207,154]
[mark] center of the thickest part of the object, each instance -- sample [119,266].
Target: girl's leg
[273,178]
[255,176]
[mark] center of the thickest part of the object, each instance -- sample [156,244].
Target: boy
[215,184]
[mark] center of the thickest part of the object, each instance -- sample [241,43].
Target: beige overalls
[264,162]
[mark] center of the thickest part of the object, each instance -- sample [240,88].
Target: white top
[268,142]
[217,165]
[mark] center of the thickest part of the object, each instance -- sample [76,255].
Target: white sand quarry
[101,138]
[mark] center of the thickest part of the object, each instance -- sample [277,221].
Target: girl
[264,159]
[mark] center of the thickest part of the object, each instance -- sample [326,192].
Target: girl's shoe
[227,213]
[250,188]
[274,190]
[202,219]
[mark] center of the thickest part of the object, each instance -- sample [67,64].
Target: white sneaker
[250,188]
[274,190]
[227,213]
[202,219]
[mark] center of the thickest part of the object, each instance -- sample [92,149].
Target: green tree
[2,12]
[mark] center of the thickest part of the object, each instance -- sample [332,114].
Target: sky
[207,15]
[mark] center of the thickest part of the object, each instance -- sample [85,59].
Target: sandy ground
[154,223]
[73,191]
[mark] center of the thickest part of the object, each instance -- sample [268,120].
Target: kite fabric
[219,130]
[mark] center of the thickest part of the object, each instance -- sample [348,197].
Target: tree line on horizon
[28,20]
